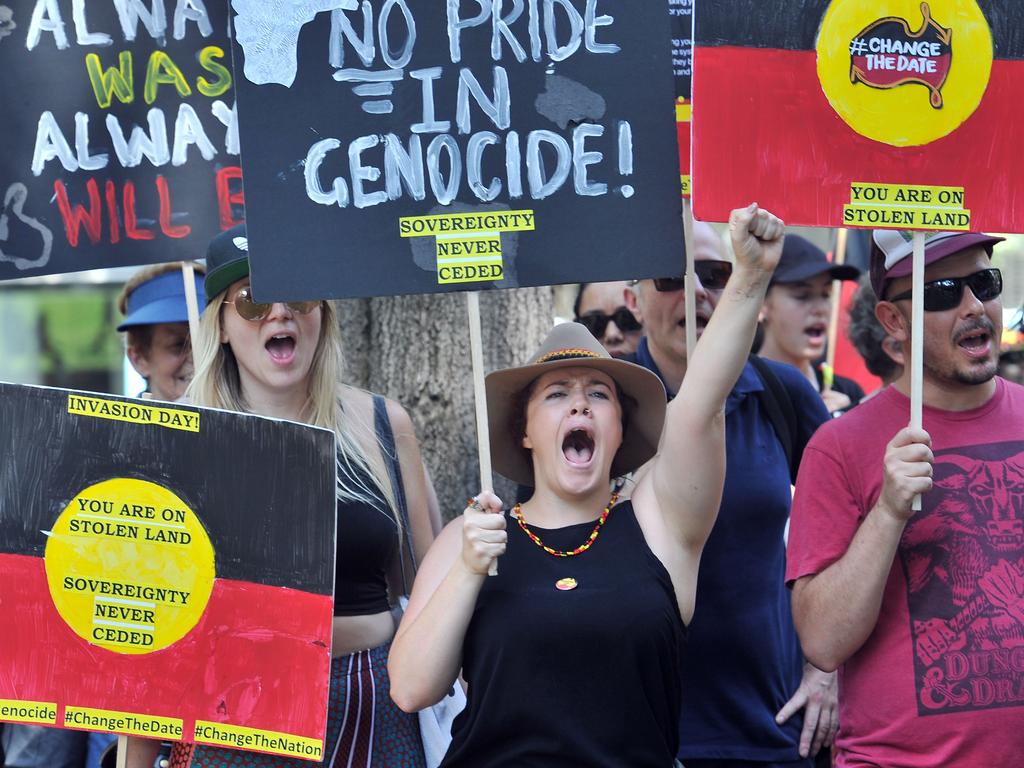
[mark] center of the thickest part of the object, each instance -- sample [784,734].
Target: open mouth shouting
[975,341]
[816,334]
[281,348]
[578,446]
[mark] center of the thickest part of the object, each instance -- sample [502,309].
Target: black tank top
[583,677]
[367,542]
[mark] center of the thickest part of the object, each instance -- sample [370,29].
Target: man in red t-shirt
[922,613]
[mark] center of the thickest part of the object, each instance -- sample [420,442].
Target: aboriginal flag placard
[169,570]
[896,113]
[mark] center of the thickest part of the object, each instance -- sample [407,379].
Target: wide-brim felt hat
[570,345]
[227,260]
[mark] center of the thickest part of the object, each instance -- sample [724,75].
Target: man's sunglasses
[940,295]
[713,276]
[248,309]
[597,322]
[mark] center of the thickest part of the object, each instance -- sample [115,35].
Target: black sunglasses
[713,276]
[940,295]
[596,322]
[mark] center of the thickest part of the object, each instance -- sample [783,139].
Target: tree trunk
[415,350]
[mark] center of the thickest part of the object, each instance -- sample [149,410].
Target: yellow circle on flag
[129,566]
[904,72]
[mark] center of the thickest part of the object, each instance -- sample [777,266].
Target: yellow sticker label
[44,712]
[467,245]
[684,180]
[468,259]
[129,565]
[906,75]
[906,206]
[684,112]
[123,722]
[237,737]
[134,413]
[466,223]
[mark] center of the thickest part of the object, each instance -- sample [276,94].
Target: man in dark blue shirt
[744,678]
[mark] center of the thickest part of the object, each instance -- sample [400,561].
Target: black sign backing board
[118,130]
[539,146]
[171,568]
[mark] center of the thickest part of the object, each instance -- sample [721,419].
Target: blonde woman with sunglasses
[284,360]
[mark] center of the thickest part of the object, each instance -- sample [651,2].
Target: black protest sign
[681,12]
[170,568]
[119,133]
[393,147]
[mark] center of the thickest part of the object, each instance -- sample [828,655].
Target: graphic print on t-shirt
[963,558]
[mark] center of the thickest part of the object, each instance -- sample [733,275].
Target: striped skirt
[364,727]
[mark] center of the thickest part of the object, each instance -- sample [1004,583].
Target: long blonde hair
[216,384]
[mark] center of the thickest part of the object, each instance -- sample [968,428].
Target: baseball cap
[161,299]
[801,259]
[890,249]
[227,260]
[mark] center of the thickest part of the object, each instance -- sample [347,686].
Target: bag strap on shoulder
[386,438]
[778,406]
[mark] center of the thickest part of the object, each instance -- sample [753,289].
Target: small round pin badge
[566,584]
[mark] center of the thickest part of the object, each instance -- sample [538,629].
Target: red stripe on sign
[765,131]
[259,657]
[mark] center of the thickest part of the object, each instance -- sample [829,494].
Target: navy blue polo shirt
[743,660]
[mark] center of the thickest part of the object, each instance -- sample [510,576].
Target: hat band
[567,354]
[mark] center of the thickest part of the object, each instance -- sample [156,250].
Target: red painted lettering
[169,229]
[226,199]
[77,217]
[131,228]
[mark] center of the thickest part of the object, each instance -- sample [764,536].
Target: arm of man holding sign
[836,610]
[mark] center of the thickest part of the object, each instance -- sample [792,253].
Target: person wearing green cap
[284,360]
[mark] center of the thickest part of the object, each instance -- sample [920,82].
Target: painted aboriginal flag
[896,113]
[167,571]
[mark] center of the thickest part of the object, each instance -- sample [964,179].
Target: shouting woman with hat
[571,652]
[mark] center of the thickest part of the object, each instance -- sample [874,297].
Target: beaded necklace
[518,514]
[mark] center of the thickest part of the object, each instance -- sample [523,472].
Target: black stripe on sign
[793,24]
[263,489]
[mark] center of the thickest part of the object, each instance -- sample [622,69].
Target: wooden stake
[689,284]
[191,299]
[483,438]
[917,342]
[837,301]
[122,750]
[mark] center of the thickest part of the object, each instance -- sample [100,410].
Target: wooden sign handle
[837,301]
[690,288]
[483,437]
[917,342]
[191,299]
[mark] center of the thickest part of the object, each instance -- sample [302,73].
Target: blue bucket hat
[160,299]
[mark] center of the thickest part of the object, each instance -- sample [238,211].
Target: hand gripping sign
[163,580]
